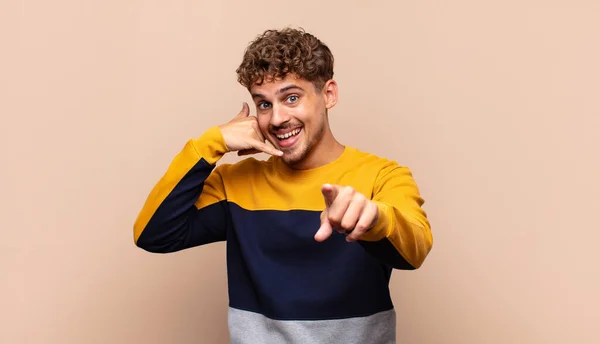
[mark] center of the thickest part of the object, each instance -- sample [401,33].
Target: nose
[279,116]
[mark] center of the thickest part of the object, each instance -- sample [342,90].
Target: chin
[295,156]
[291,161]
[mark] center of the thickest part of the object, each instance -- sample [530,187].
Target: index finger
[329,193]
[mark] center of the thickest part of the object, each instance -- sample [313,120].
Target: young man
[313,232]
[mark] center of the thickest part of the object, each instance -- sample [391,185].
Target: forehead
[272,88]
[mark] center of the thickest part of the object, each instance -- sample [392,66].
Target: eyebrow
[281,90]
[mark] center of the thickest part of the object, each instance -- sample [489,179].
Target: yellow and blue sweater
[285,287]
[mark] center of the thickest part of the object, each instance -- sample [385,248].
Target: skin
[295,103]
[289,104]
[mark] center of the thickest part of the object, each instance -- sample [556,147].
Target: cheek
[263,124]
[303,114]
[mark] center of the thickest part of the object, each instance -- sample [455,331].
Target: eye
[264,105]
[293,99]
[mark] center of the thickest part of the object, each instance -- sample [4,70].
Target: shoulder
[363,158]
[379,166]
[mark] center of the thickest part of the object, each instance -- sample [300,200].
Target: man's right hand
[242,134]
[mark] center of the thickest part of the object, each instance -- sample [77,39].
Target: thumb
[329,192]
[245,112]
[325,230]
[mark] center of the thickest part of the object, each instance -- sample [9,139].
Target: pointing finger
[329,193]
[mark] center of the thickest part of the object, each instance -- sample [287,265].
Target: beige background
[494,105]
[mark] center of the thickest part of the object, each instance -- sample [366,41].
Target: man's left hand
[346,211]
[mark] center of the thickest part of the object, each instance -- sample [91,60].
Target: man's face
[291,114]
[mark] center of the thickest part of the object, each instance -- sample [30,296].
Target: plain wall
[495,106]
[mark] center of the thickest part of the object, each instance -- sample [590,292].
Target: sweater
[283,285]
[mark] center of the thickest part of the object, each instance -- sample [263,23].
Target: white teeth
[286,135]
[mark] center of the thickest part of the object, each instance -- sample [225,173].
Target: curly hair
[276,53]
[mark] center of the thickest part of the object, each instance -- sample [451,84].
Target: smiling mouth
[289,134]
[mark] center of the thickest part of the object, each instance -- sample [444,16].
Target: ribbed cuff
[211,145]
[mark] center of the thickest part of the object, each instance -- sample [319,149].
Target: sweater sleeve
[187,206]
[402,237]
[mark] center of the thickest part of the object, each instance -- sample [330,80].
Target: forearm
[398,239]
[401,237]
[183,209]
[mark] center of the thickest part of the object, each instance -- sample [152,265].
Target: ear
[330,92]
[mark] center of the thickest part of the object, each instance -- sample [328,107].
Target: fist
[242,134]
[346,211]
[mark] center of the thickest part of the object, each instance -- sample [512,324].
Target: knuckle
[333,218]
[347,225]
[360,228]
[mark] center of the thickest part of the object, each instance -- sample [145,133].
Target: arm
[401,236]
[187,206]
